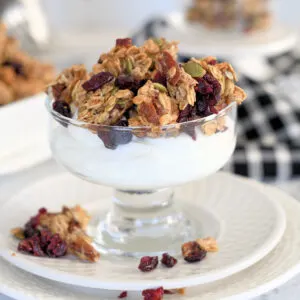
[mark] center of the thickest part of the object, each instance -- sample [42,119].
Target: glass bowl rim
[69,121]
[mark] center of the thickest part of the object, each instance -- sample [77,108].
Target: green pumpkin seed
[160,87]
[158,41]
[194,69]
[128,65]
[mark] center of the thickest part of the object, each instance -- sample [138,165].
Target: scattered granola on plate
[244,15]
[146,87]
[56,234]
[196,250]
[20,75]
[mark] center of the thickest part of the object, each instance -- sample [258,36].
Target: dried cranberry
[201,106]
[31,246]
[185,114]
[97,81]
[123,295]
[212,62]
[126,42]
[111,138]
[192,252]
[31,226]
[123,123]
[124,81]
[25,246]
[190,129]
[153,294]
[204,87]
[148,263]
[43,210]
[168,260]
[18,68]
[160,78]
[62,108]
[216,86]
[45,238]
[57,247]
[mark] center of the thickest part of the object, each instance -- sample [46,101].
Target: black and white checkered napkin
[268,145]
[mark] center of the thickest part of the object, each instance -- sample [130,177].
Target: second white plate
[251,224]
[23,134]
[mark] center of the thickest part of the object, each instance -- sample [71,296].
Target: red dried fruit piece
[160,78]
[190,130]
[168,260]
[111,138]
[43,210]
[31,246]
[25,246]
[62,108]
[124,82]
[185,114]
[57,247]
[45,238]
[30,227]
[168,292]
[126,42]
[148,263]
[203,87]
[123,295]
[192,252]
[153,294]
[216,86]
[169,68]
[212,62]
[97,81]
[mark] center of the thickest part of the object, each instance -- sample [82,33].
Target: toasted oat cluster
[20,75]
[249,15]
[56,234]
[146,86]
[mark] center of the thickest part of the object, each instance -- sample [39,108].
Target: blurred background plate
[23,134]
[194,38]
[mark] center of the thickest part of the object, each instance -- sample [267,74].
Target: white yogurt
[142,164]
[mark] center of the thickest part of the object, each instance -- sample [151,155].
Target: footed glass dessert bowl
[142,123]
[143,171]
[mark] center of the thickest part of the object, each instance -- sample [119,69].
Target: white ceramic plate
[194,39]
[250,226]
[275,269]
[23,134]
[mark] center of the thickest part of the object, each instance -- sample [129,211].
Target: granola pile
[250,15]
[56,234]
[145,86]
[20,75]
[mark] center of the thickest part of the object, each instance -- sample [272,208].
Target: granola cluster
[55,234]
[20,75]
[146,86]
[250,15]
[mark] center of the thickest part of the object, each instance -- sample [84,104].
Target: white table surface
[289,291]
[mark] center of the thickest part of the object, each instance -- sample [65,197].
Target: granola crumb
[13,254]
[210,127]
[181,291]
[209,244]
[18,232]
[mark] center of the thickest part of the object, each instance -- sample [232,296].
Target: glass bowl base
[152,231]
